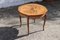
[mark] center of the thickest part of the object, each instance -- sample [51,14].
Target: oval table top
[32,9]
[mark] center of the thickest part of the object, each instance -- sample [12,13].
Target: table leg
[44,22]
[20,21]
[28,24]
[34,20]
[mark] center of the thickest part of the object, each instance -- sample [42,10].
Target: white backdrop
[7,3]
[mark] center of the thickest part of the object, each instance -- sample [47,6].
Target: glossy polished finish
[33,11]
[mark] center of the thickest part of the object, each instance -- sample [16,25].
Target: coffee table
[32,10]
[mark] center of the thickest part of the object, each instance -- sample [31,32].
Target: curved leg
[20,21]
[28,24]
[44,22]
